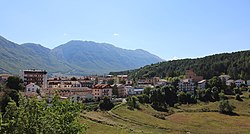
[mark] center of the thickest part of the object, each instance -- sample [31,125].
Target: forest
[235,64]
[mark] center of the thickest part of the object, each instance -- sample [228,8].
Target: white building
[229,82]
[138,91]
[130,90]
[202,84]
[239,82]
[32,87]
[224,77]
[248,82]
[186,85]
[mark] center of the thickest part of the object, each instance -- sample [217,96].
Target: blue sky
[167,28]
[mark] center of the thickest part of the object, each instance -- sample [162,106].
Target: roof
[138,89]
[123,76]
[102,86]
[230,81]
[202,81]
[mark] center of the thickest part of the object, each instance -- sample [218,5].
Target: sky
[170,29]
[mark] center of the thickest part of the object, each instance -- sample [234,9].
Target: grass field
[185,119]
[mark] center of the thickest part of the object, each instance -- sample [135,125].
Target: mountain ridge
[74,57]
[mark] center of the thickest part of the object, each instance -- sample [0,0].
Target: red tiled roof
[102,86]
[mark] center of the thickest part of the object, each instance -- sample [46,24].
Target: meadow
[188,118]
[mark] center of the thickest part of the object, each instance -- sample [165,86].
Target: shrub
[133,103]
[225,107]
[237,97]
[106,104]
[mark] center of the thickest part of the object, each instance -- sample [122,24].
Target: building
[239,82]
[99,91]
[62,82]
[130,90]
[186,85]
[32,87]
[122,91]
[190,74]
[121,79]
[224,77]
[248,82]
[138,91]
[87,82]
[229,82]
[202,84]
[39,77]
[4,77]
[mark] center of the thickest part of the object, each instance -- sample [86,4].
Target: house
[162,82]
[190,74]
[87,82]
[202,84]
[130,90]
[101,90]
[186,85]
[62,83]
[4,77]
[239,82]
[39,77]
[81,95]
[138,91]
[122,78]
[32,87]
[122,91]
[248,82]
[229,82]
[142,83]
[224,77]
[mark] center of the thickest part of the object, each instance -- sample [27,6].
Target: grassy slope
[122,120]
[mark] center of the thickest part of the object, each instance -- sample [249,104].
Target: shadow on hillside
[230,114]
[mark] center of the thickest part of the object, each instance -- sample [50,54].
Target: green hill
[74,58]
[236,64]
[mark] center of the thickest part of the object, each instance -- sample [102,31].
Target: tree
[237,97]
[115,90]
[73,79]
[182,97]
[33,116]
[144,98]
[106,104]
[111,81]
[216,82]
[225,107]
[147,90]
[170,95]
[15,82]
[132,102]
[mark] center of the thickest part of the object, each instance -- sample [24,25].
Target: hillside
[74,57]
[102,57]
[236,64]
[187,118]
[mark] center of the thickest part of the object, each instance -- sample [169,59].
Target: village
[94,88]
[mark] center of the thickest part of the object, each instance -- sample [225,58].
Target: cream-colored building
[101,90]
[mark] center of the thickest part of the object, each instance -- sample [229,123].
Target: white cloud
[65,34]
[116,34]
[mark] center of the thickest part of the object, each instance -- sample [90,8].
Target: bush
[225,107]
[133,103]
[143,98]
[237,97]
[106,104]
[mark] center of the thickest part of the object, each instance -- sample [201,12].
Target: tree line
[235,64]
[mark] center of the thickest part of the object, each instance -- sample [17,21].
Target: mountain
[236,64]
[74,57]
[102,57]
